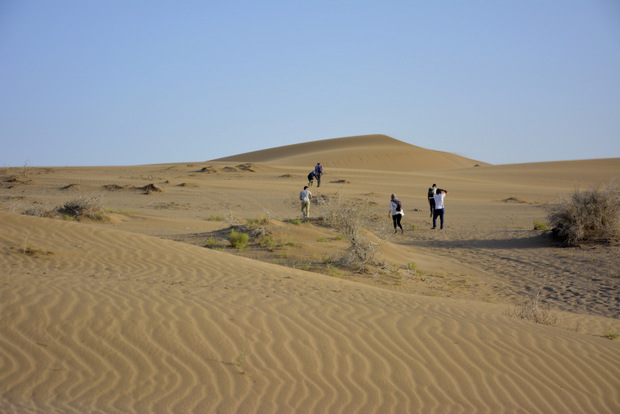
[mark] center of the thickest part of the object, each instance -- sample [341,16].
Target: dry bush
[152,188]
[89,207]
[589,215]
[351,218]
[533,311]
[39,211]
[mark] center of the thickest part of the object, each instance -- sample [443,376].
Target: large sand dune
[134,314]
[370,152]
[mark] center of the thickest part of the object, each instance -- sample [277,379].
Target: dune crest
[366,152]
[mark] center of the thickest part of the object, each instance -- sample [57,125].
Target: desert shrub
[39,211]
[358,255]
[238,239]
[532,310]
[586,216]
[351,218]
[89,207]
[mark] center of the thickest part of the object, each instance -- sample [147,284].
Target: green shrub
[540,225]
[237,239]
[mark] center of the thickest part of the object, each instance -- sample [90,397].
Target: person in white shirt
[305,196]
[439,207]
[396,212]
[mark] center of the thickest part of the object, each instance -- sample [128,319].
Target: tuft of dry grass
[533,310]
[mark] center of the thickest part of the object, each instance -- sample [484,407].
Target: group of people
[305,195]
[435,200]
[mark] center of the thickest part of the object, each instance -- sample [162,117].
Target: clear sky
[127,82]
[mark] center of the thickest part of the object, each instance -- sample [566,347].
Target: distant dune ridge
[136,314]
[367,152]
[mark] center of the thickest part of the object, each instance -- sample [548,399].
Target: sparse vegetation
[590,215]
[609,334]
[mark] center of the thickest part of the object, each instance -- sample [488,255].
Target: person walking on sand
[318,172]
[439,207]
[310,178]
[431,198]
[305,196]
[396,212]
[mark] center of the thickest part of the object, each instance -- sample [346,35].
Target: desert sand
[152,311]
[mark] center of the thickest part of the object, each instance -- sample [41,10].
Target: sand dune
[135,315]
[370,152]
[102,320]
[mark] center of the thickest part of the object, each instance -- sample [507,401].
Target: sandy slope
[129,316]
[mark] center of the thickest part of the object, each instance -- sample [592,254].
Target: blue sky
[126,82]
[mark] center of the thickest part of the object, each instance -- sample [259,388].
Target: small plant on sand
[214,217]
[586,216]
[241,359]
[211,242]
[268,243]
[540,225]
[334,271]
[609,334]
[532,310]
[258,221]
[237,239]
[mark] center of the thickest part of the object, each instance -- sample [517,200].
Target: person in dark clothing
[431,198]
[318,172]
